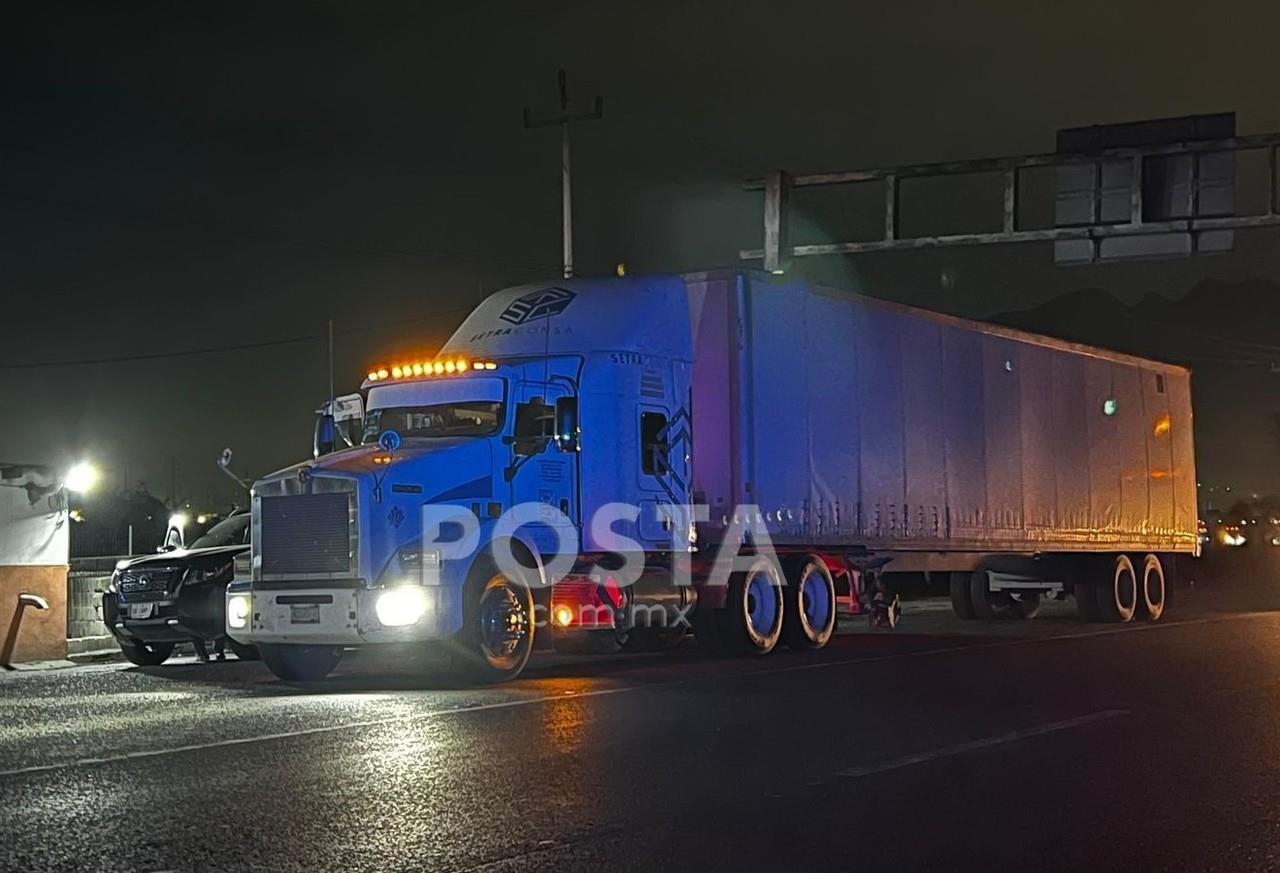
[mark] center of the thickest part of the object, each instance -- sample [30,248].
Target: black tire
[751,622]
[300,663]
[1118,596]
[146,654]
[244,652]
[806,624]
[961,605]
[498,627]
[1153,589]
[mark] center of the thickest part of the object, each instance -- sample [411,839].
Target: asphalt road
[1045,745]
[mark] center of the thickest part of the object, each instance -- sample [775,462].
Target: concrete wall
[33,634]
[33,560]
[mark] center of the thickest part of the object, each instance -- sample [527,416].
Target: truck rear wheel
[1152,589]
[751,622]
[809,616]
[300,663]
[1118,598]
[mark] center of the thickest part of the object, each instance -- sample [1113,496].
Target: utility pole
[564,119]
[331,410]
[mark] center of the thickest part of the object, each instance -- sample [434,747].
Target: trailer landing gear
[973,597]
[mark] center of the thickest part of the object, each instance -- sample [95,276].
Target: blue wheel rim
[763,606]
[815,601]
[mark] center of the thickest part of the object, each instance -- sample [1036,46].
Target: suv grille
[306,535]
[141,585]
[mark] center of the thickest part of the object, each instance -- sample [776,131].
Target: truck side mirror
[325,435]
[567,423]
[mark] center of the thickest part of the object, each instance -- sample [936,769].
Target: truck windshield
[469,418]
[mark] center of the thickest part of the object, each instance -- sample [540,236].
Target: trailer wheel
[1152,590]
[1118,599]
[752,619]
[961,605]
[809,618]
[300,663]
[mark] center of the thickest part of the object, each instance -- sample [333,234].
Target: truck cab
[499,441]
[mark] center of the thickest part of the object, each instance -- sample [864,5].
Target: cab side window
[653,443]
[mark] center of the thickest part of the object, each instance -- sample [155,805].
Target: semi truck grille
[306,535]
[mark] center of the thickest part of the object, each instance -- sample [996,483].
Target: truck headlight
[401,607]
[238,607]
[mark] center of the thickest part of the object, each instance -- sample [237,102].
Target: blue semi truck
[619,461]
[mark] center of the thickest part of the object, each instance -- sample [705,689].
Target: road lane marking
[601,692]
[985,743]
[305,732]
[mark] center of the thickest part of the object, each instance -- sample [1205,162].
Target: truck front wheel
[300,663]
[497,629]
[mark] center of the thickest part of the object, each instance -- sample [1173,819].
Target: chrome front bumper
[340,616]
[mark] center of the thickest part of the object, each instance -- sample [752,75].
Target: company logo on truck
[537,304]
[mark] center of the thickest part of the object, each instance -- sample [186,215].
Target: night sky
[175,179]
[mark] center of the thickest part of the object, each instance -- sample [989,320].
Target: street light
[81,478]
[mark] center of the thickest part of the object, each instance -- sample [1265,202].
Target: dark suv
[177,596]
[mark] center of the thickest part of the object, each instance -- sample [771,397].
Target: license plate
[141,610]
[304,613]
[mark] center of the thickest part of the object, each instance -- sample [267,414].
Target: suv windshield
[231,531]
[469,418]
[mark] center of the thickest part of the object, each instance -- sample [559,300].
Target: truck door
[663,465]
[544,460]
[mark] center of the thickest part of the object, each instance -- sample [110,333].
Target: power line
[206,230]
[236,347]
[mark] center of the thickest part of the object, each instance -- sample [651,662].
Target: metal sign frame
[778,184]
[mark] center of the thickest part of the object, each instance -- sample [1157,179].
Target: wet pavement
[945,745]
